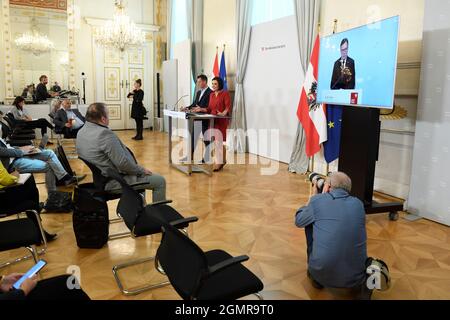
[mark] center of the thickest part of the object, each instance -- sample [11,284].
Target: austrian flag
[311,114]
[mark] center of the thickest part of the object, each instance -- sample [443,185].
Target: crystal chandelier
[32,41]
[121,33]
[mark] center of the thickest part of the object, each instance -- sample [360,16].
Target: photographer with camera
[335,227]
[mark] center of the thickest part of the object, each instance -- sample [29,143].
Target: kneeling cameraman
[335,227]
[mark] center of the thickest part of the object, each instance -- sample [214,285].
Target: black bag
[90,218]
[61,154]
[59,202]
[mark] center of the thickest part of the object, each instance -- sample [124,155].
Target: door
[115,74]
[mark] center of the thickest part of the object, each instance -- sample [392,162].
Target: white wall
[430,183]
[272,87]
[219,29]
[394,166]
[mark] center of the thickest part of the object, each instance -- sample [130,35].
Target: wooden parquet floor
[244,212]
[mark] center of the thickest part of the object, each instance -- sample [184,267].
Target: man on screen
[344,74]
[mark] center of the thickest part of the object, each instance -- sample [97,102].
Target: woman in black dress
[138,111]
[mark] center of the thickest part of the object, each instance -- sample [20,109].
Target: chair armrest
[159,203]
[227,263]
[180,222]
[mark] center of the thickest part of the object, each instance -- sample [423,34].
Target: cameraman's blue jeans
[45,162]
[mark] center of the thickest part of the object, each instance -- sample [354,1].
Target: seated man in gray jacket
[68,121]
[100,146]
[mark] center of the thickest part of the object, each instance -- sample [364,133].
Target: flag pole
[335,24]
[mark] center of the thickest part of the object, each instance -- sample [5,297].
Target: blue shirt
[78,122]
[339,253]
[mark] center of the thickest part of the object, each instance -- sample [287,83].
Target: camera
[317,179]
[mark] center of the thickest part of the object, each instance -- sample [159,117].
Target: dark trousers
[201,127]
[70,133]
[139,127]
[42,124]
[56,288]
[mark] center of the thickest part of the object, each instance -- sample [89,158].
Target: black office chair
[18,127]
[15,134]
[198,275]
[21,232]
[144,221]
[100,182]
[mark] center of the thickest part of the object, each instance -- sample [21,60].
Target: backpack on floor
[378,277]
[90,218]
[59,202]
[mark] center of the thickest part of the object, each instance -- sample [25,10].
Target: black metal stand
[84,91]
[360,143]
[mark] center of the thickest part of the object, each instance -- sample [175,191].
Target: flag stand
[360,141]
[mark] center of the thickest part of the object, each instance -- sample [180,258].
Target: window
[268,10]
[179,31]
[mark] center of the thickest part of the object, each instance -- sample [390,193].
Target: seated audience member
[335,227]
[42,93]
[31,160]
[23,119]
[68,121]
[100,146]
[27,192]
[58,288]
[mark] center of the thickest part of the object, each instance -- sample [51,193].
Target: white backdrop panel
[273,84]
[430,182]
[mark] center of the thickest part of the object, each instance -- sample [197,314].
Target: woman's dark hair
[18,100]
[220,82]
[139,81]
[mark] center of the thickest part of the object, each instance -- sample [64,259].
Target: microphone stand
[84,87]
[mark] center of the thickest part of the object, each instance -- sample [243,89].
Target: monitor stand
[360,141]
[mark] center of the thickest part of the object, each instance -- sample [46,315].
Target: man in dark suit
[200,105]
[344,74]
[41,90]
[68,121]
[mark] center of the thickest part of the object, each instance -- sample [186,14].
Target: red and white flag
[311,114]
[216,70]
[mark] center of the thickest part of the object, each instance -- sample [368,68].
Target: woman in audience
[27,193]
[22,118]
[220,105]
[58,288]
[138,111]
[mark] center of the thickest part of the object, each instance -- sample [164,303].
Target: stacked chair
[194,274]
[21,232]
[144,220]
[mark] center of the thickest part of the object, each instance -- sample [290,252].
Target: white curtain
[237,140]
[195,33]
[307,14]
[169,27]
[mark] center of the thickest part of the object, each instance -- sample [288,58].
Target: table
[189,167]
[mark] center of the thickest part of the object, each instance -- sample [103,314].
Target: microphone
[176,104]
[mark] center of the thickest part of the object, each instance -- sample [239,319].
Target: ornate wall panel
[48,4]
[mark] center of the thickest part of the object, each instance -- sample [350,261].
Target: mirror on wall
[40,47]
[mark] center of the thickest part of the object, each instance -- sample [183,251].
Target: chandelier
[32,41]
[121,33]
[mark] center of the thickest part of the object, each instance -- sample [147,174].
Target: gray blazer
[102,147]
[6,154]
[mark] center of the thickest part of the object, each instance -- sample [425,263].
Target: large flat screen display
[358,67]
